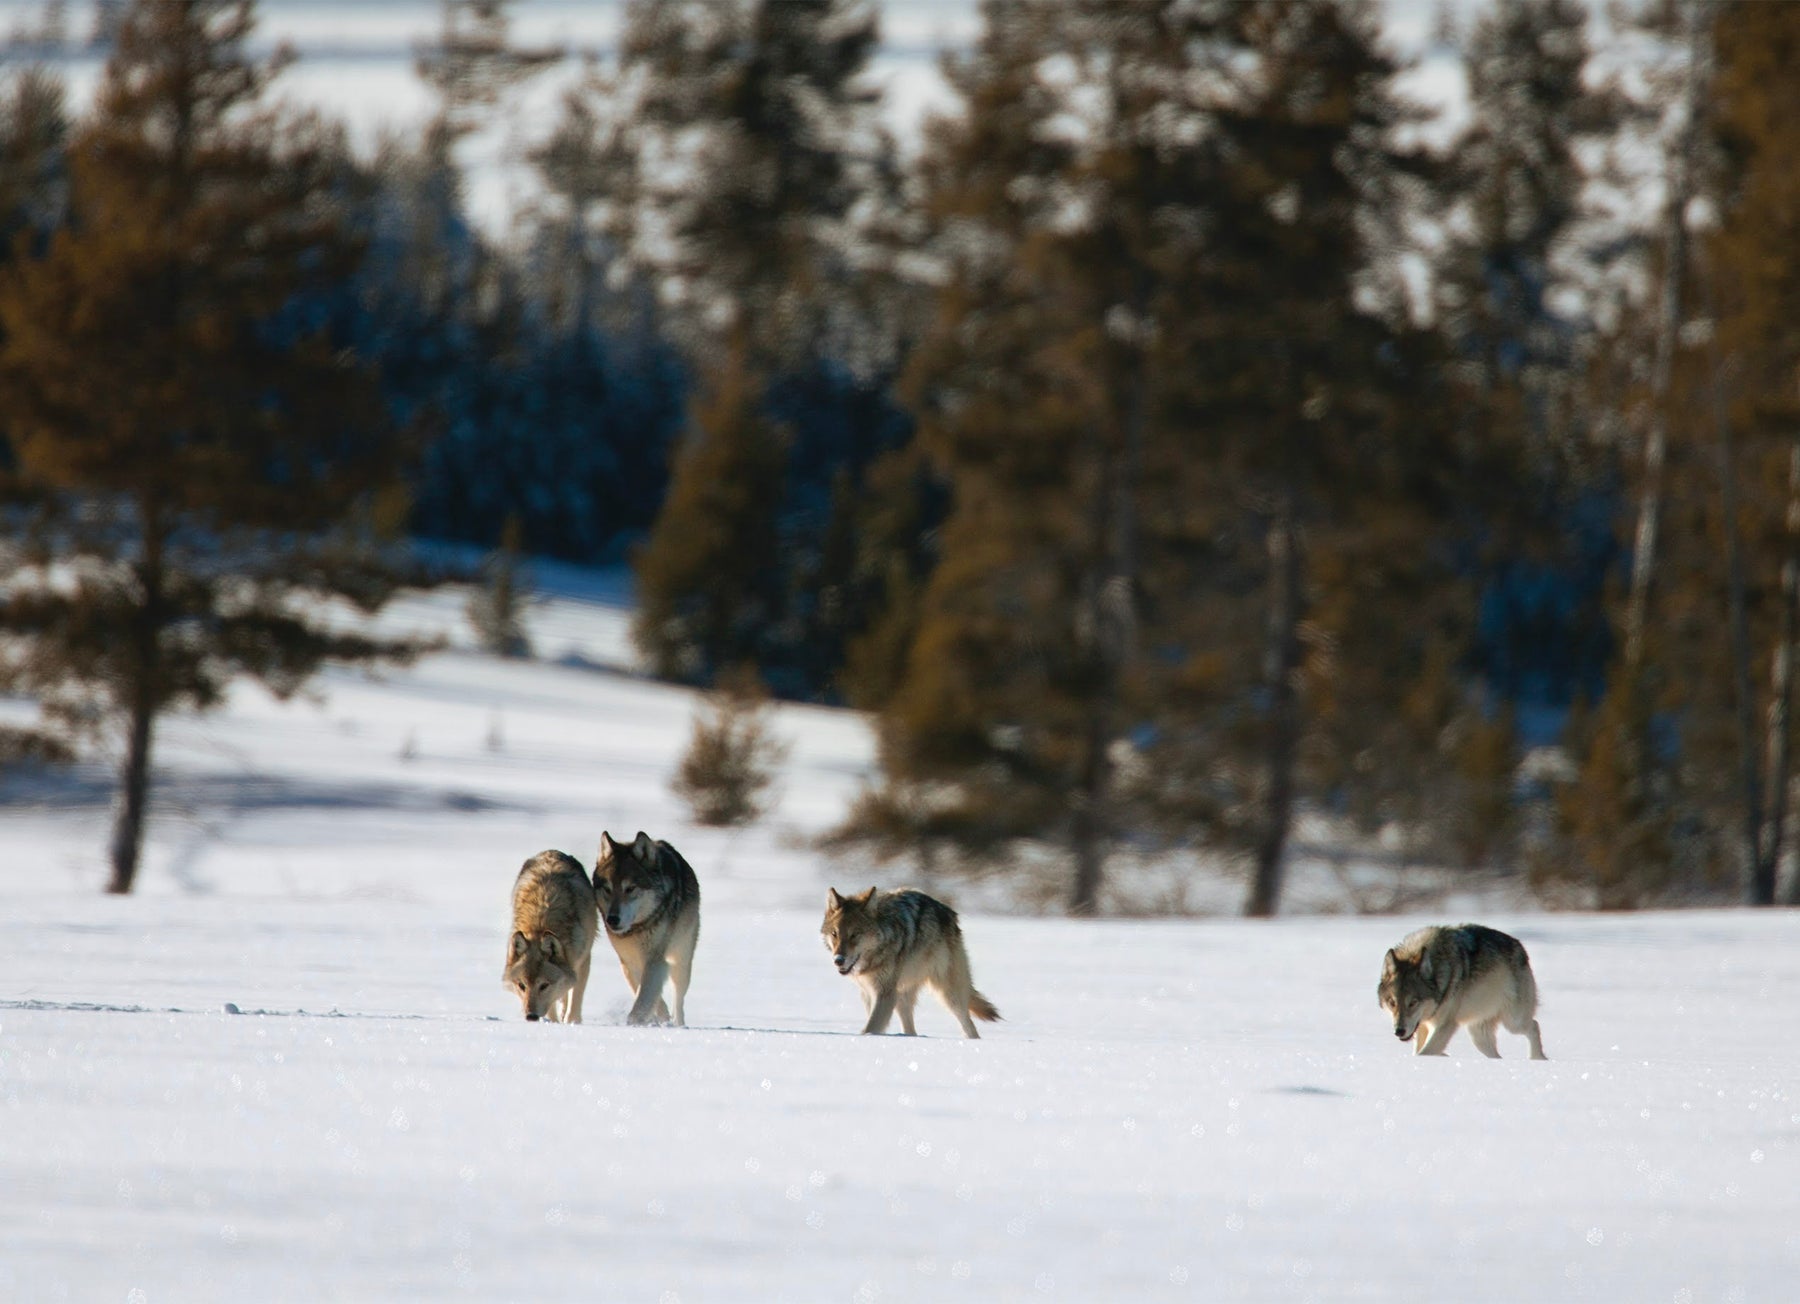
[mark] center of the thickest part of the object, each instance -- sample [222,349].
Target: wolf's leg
[681,969]
[583,967]
[634,977]
[880,1011]
[1520,1021]
[1535,1038]
[1441,1033]
[1482,1034]
[649,1007]
[904,1003]
[957,1002]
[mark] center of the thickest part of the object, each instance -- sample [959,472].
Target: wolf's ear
[518,945]
[1425,966]
[608,848]
[551,947]
[643,848]
[1390,964]
[867,897]
[832,900]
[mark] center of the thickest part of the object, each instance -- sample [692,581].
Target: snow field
[1194,1110]
[1201,1111]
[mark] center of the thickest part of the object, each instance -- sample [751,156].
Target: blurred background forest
[1188,439]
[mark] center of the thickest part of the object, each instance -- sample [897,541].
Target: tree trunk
[1781,695]
[144,702]
[1656,445]
[134,796]
[1656,439]
[1282,668]
[1112,626]
[1759,889]
[1088,834]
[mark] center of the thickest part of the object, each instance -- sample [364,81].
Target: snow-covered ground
[287,1069]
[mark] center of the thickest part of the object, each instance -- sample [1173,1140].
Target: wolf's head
[849,929]
[1407,991]
[628,881]
[538,969]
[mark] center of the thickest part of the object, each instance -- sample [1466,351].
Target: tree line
[1191,438]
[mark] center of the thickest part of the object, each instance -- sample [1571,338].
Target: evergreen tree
[590,175]
[763,134]
[762,115]
[33,159]
[1186,432]
[1045,393]
[1637,814]
[496,606]
[1753,277]
[473,62]
[1510,285]
[729,766]
[33,199]
[708,578]
[213,462]
[1323,612]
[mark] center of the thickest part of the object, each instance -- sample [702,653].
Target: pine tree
[590,173]
[1043,392]
[496,606]
[1641,813]
[763,115]
[1513,266]
[216,463]
[762,130]
[1164,416]
[33,160]
[473,62]
[729,766]
[33,202]
[469,67]
[708,577]
[1325,419]
[1754,294]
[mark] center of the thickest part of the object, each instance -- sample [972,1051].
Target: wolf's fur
[554,923]
[1441,979]
[650,901]
[894,943]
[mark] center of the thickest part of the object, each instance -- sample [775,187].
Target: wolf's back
[683,883]
[914,920]
[553,895]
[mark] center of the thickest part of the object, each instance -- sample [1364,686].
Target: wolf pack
[897,943]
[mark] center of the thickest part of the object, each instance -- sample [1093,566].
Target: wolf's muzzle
[843,963]
[531,1018]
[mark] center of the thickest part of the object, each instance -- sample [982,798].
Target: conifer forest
[1185,439]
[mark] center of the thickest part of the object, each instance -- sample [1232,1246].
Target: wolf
[1440,979]
[650,901]
[894,943]
[554,925]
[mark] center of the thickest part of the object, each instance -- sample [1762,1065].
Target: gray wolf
[894,943]
[554,925]
[1441,979]
[650,901]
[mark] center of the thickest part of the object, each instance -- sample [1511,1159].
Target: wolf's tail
[982,1008]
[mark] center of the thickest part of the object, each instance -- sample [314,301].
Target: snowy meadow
[287,1069]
